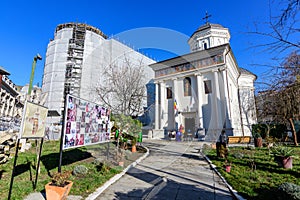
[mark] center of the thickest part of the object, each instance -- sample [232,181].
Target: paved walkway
[173,170]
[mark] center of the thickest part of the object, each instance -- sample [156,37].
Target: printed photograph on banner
[85,123]
[34,120]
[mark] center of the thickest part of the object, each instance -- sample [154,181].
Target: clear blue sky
[27,26]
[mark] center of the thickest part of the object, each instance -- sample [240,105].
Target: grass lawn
[254,173]
[25,170]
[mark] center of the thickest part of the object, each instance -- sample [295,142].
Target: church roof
[246,72]
[217,50]
[209,25]
[3,71]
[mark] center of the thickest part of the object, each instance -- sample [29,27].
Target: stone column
[157,105]
[162,104]
[200,89]
[175,97]
[217,101]
[227,106]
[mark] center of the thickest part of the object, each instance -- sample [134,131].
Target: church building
[204,89]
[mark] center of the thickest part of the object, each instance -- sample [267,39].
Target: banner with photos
[86,123]
[34,121]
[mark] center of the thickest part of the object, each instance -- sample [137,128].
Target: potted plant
[133,144]
[283,155]
[59,187]
[120,157]
[257,140]
[227,166]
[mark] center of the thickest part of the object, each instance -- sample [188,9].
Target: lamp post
[37,57]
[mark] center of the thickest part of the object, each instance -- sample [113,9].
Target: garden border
[212,166]
[112,180]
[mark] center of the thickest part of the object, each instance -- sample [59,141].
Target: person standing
[222,144]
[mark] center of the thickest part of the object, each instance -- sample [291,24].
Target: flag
[175,108]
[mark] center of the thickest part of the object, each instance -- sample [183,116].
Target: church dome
[208,26]
[207,36]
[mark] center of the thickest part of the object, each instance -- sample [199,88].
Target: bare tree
[122,87]
[283,28]
[282,100]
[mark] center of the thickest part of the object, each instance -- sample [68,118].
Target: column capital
[158,82]
[222,68]
[198,74]
[215,70]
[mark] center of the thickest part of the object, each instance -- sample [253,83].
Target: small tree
[122,87]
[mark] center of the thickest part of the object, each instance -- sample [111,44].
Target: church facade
[204,89]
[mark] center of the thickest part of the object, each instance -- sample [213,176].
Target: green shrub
[278,131]
[238,155]
[80,170]
[97,161]
[260,129]
[289,191]
[103,168]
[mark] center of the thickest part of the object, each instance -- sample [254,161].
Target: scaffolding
[75,60]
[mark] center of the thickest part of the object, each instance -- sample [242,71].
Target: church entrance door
[189,127]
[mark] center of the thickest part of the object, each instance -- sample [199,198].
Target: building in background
[75,61]
[8,101]
[204,89]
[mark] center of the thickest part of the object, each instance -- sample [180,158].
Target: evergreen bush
[80,170]
[289,191]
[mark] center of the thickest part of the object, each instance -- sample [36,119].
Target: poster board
[33,121]
[85,123]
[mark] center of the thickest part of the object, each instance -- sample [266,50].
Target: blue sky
[27,26]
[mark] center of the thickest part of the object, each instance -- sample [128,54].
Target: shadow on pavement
[165,189]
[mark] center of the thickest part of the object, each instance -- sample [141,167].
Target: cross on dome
[206,17]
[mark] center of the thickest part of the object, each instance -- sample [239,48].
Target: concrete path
[173,170]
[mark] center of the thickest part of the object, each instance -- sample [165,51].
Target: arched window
[187,86]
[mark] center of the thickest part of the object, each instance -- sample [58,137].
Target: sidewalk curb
[232,191]
[112,180]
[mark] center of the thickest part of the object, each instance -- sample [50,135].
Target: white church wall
[248,110]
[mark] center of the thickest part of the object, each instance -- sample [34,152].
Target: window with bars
[169,93]
[207,87]
[187,86]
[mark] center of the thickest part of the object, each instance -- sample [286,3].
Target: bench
[239,139]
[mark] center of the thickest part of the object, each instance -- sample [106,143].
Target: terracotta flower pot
[121,163]
[258,142]
[133,148]
[228,168]
[285,162]
[54,192]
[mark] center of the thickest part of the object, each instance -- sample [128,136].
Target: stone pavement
[173,170]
